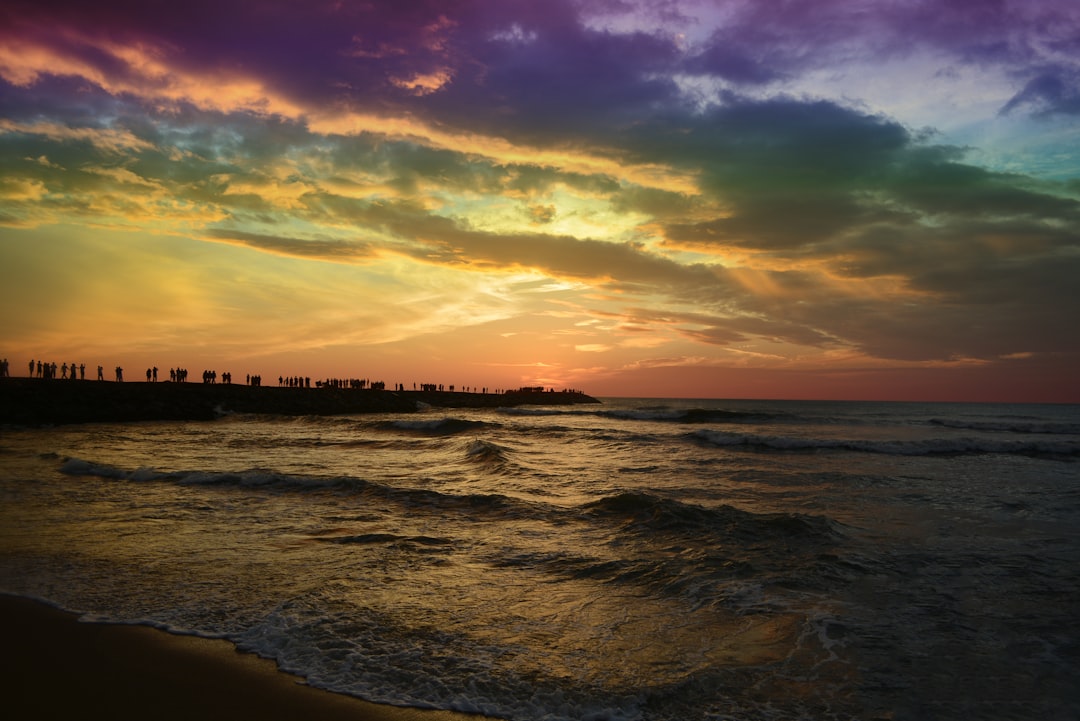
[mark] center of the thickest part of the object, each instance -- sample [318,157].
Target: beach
[56,667]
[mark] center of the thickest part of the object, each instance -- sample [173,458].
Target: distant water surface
[644,559]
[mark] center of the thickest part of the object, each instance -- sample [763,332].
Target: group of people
[433,387]
[176,375]
[47,370]
[353,383]
[72,371]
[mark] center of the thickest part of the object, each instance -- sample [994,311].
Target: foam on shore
[55,667]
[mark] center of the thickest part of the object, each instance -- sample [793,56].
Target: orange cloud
[145,73]
[424,83]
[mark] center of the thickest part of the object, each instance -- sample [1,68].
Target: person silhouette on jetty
[100,373]
[119,374]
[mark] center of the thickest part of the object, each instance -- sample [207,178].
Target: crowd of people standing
[73,371]
[65,371]
[44,369]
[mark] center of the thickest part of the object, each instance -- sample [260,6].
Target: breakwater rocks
[25,401]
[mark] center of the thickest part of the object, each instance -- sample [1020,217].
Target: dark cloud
[1050,93]
[543,77]
[790,175]
[789,223]
[318,249]
[759,42]
[537,70]
[736,63]
[726,329]
[784,144]
[653,202]
[964,190]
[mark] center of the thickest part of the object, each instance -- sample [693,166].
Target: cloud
[317,249]
[669,157]
[542,214]
[1052,92]
[106,139]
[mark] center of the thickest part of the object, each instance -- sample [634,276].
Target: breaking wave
[1009,426]
[919,447]
[652,413]
[437,426]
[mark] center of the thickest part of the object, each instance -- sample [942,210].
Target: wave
[248,478]
[1010,426]
[644,512]
[437,426]
[494,504]
[919,447]
[720,557]
[487,453]
[629,513]
[652,413]
[389,539]
[689,415]
[530,411]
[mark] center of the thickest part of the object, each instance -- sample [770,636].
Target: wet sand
[55,667]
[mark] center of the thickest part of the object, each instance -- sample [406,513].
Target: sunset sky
[772,199]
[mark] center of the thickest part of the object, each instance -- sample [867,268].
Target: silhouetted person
[100,373]
[82,371]
[119,374]
[155,374]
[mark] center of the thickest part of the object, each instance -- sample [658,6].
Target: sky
[827,199]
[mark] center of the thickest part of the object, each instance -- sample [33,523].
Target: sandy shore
[57,668]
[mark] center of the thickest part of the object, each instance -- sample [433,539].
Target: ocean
[643,559]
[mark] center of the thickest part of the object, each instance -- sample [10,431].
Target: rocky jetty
[27,401]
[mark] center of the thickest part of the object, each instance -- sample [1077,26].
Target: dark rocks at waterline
[25,401]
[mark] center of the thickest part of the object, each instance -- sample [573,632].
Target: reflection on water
[674,561]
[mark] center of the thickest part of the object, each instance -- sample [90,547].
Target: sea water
[639,559]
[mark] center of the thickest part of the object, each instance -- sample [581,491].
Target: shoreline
[37,402]
[56,667]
